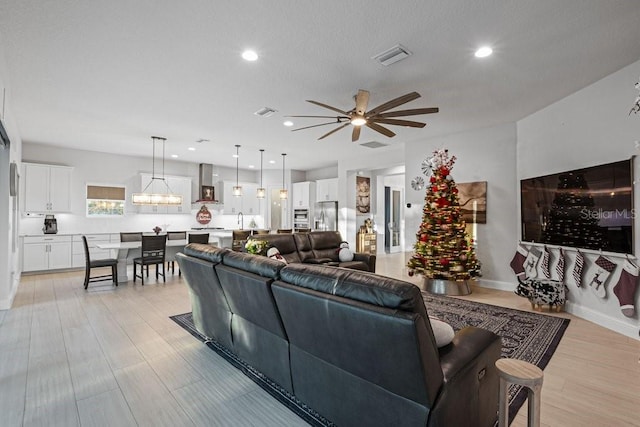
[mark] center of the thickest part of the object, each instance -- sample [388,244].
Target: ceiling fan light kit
[359,116]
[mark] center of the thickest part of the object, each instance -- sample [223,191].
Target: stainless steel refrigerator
[325,216]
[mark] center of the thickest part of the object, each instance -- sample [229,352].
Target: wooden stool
[524,374]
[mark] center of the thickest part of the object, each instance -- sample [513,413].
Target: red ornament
[424,237]
[444,261]
[203,216]
[454,190]
[432,179]
[444,171]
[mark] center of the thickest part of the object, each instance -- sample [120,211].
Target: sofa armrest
[469,394]
[317,260]
[368,259]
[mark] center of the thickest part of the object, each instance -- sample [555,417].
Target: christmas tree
[573,220]
[443,249]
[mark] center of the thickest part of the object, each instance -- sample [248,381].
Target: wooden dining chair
[131,237]
[174,235]
[98,263]
[284,230]
[260,231]
[152,252]
[199,238]
[239,238]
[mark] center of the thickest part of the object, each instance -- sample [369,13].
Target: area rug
[526,336]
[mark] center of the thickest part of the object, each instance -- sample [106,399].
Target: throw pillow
[442,331]
[274,253]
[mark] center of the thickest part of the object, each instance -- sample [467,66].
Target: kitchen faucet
[241,220]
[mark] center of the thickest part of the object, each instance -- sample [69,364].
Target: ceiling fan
[359,116]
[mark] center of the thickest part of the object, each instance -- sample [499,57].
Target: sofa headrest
[284,242]
[256,264]
[205,252]
[357,285]
[325,240]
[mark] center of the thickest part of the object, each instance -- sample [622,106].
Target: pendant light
[168,198]
[260,192]
[237,190]
[283,190]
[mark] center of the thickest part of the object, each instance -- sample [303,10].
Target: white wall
[589,127]
[9,254]
[482,155]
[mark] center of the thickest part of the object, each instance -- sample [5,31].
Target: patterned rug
[526,336]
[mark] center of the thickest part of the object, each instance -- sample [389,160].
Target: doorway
[393,197]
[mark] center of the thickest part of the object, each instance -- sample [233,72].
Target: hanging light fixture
[260,192]
[283,190]
[237,190]
[145,198]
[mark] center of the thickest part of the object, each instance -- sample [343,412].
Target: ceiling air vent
[393,55]
[265,112]
[373,144]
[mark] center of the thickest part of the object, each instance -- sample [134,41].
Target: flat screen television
[589,208]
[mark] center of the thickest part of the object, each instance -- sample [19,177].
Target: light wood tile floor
[112,357]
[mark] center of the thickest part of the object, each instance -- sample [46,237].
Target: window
[105,201]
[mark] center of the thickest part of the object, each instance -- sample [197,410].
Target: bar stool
[525,374]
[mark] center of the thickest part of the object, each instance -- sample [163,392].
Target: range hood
[206,191]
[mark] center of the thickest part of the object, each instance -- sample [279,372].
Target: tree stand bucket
[447,287]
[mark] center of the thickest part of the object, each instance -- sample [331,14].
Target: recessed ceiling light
[251,166]
[273,162]
[249,55]
[191,149]
[175,156]
[483,52]
[288,123]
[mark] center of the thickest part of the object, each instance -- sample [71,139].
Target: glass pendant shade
[283,190]
[237,190]
[261,191]
[150,198]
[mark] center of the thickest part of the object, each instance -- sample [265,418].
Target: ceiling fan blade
[344,113]
[333,131]
[362,100]
[413,112]
[383,130]
[394,103]
[324,117]
[315,126]
[355,135]
[397,122]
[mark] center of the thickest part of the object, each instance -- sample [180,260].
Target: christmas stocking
[626,287]
[517,263]
[560,266]
[604,267]
[531,263]
[545,263]
[577,269]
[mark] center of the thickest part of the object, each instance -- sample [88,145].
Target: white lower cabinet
[41,253]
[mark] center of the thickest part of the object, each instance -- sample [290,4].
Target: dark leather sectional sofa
[355,346]
[316,247]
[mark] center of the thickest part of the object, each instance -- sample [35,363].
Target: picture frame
[472,197]
[363,195]
[207,193]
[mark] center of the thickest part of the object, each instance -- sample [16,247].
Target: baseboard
[6,303]
[494,284]
[600,319]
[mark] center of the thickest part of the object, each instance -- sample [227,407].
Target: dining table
[127,251]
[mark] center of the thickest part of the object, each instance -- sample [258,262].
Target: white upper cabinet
[248,203]
[327,190]
[303,195]
[47,188]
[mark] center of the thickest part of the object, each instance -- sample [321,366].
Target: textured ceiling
[107,75]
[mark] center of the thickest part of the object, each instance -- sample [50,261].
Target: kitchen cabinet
[77,251]
[327,190]
[248,203]
[304,194]
[41,253]
[47,188]
[177,185]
